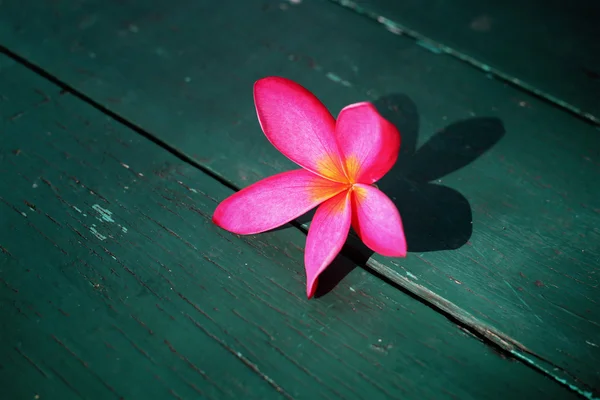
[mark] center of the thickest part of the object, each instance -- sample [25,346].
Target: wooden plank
[549,47]
[509,235]
[116,284]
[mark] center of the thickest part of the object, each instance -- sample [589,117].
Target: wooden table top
[124,124]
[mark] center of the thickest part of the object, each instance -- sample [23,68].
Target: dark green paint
[549,47]
[520,171]
[531,197]
[115,284]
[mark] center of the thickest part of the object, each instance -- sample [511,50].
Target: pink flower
[340,159]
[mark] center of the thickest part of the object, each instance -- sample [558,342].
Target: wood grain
[546,47]
[497,190]
[114,283]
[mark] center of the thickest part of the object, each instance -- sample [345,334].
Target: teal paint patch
[335,78]
[411,275]
[429,46]
[585,393]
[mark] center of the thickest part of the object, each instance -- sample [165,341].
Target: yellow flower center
[352,168]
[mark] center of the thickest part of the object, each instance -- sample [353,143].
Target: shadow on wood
[435,217]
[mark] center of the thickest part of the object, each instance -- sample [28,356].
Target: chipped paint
[96,233]
[429,46]
[410,275]
[390,26]
[187,187]
[105,215]
[335,78]
[587,394]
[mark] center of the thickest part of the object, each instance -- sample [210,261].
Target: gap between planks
[439,48]
[502,343]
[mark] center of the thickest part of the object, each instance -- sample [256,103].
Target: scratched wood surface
[550,46]
[497,189]
[115,284]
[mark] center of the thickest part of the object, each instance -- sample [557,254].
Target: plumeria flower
[341,160]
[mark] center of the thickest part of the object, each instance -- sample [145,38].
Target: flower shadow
[435,217]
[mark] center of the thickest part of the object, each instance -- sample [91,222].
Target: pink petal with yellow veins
[274,201]
[299,126]
[369,142]
[377,222]
[326,236]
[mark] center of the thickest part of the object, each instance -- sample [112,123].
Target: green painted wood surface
[115,284]
[549,46]
[509,235]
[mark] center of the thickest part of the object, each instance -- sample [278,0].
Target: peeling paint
[585,393]
[333,77]
[96,233]
[410,275]
[429,46]
[105,215]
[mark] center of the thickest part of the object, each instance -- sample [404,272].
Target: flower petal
[369,142]
[274,201]
[326,236]
[299,126]
[377,222]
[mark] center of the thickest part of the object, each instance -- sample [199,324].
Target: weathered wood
[548,47]
[115,284]
[509,235]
